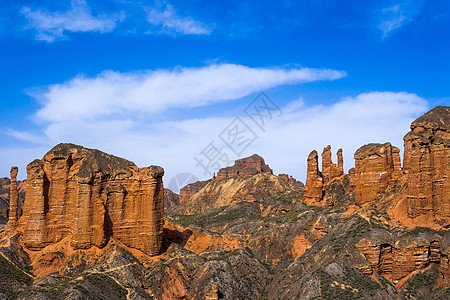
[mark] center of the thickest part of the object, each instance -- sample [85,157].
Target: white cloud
[116,95]
[51,26]
[169,22]
[398,15]
[348,123]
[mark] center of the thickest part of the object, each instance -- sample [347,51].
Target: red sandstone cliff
[376,166]
[426,162]
[90,196]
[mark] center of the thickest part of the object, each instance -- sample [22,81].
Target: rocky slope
[360,235]
[170,198]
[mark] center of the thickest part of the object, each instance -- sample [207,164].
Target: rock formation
[243,167]
[248,166]
[329,169]
[426,161]
[316,180]
[376,166]
[13,202]
[5,187]
[289,179]
[396,259]
[91,196]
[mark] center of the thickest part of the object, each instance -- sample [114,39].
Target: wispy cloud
[26,136]
[397,15]
[113,94]
[166,21]
[50,26]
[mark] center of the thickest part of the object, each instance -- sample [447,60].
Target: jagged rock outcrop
[376,166]
[247,166]
[91,196]
[426,161]
[289,179]
[329,169]
[316,180]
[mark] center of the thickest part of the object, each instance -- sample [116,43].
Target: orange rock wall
[398,259]
[426,161]
[376,166]
[92,196]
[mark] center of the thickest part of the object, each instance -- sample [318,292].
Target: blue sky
[157,81]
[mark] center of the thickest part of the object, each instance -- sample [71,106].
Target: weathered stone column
[340,161]
[326,164]
[13,202]
[314,182]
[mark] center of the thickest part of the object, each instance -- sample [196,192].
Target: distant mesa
[244,167]
[89,196]
[247,166]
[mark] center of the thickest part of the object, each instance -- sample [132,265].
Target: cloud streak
[51,26]
[167,21]
[115,95]
[395,16]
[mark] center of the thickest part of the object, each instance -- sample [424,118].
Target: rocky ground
[243,245]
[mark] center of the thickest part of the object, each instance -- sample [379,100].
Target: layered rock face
[426,161]
[316,180]
[92,196]
[376,166]
[396,259]
[248,166]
